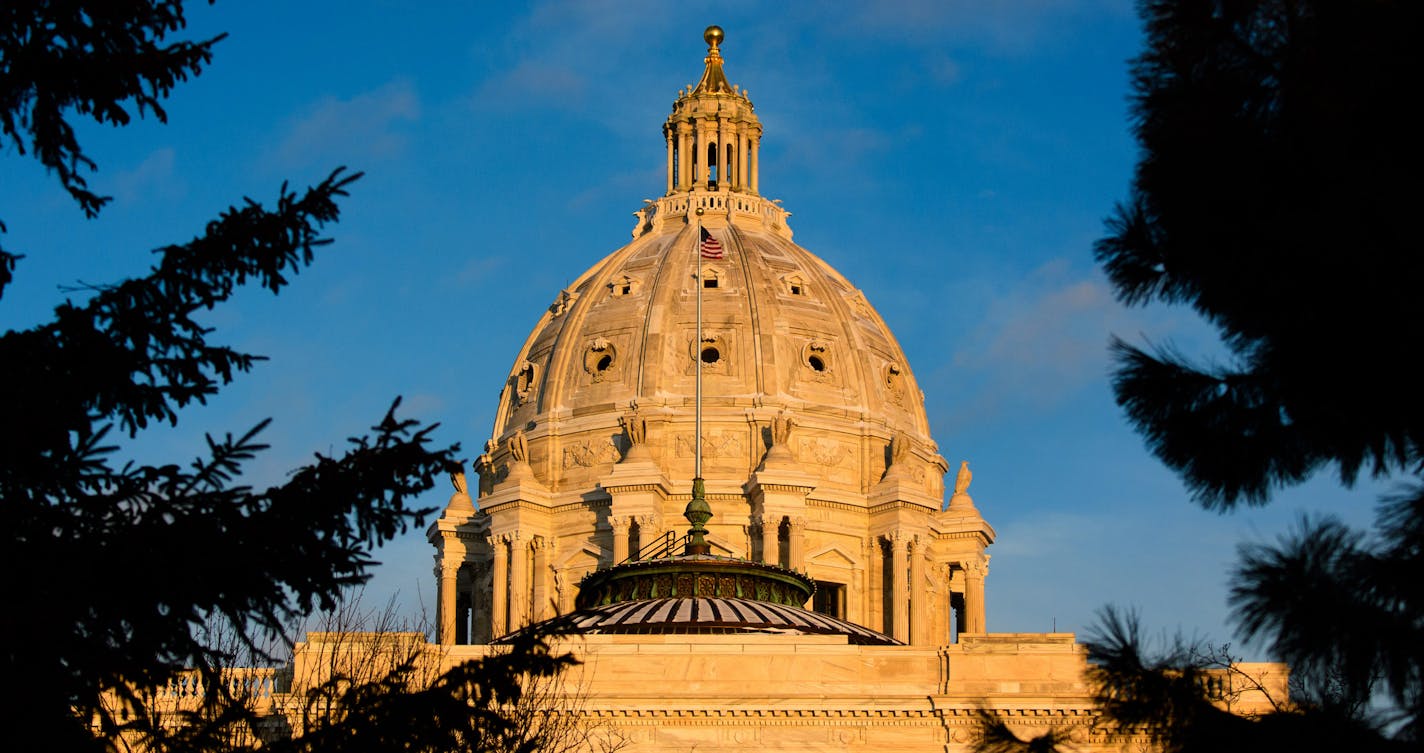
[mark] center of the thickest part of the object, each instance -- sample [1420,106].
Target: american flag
[711,248]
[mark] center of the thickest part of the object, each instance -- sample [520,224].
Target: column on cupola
[671,135]
[499,586]
[695,151]
[742,159]
[723,179]
[919,603]
[756,163]
[685,150]
[899,581]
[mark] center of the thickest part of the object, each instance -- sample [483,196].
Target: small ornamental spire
[714,81]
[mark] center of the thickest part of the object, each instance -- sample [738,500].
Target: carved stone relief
[590,453]
[824,452]
[714,445]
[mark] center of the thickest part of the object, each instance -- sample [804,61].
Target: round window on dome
[600,359]
[710,354]
[816,358]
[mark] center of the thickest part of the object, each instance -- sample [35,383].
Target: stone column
[741,159]
[684,157]
[648,527]
[671,142]
[919,598]
[518,581]
[721,150]
[899,599]
[699,172]
[856,597]
[542,550]
[619,524]
[499,586]
[756,164]
[449,572]
[770,547]
[974,573]
[874,579]
[796,557]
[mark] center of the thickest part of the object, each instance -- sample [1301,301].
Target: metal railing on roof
[667,545]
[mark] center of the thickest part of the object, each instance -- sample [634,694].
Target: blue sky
[954,160]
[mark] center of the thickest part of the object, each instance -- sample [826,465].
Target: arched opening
[728,164]
[712,166]
[676,167]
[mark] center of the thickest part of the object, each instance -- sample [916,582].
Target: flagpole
[697,350]
[698,512]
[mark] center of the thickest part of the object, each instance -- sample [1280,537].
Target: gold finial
[713,36]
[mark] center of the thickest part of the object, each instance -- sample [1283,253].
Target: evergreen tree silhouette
[1274,194]
[132,354]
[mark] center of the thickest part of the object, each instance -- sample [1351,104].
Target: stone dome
[782,331]
[809,449]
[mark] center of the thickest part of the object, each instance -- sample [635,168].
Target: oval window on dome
[600,359]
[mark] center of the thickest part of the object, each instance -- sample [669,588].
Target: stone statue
[636,429]
[781,426]
[960,501]
[899,448]
[961,481]
[518,447]
[460,501]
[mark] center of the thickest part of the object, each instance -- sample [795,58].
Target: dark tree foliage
[1278,172]
[1167,695]
[1277,180]
[108,569]
[471,707]
[100,60]
[1346,611]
